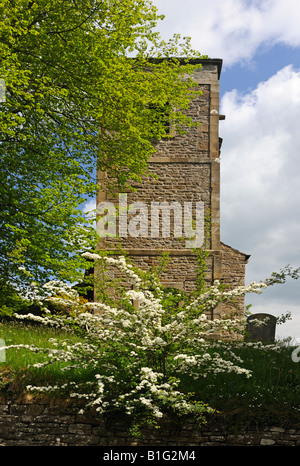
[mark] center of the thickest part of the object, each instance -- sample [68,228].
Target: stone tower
[188,170]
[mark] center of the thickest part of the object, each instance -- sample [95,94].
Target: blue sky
[259,42]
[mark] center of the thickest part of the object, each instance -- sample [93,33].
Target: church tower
[187,169]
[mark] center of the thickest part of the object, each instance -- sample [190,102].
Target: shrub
[139,350]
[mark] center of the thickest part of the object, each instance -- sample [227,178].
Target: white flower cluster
[120,263]
[56,287]
[201,365]
[61,295]
[47,321]
[136,351]
[215,295]
[153,394]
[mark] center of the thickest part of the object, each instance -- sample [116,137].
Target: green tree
[84,81]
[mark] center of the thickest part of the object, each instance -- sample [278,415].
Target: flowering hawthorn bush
[140,349]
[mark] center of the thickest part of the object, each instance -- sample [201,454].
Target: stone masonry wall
[187,167]
[40,424]
[183,167]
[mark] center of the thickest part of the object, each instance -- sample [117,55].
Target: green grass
[39,336]
[17,360]
[271,395]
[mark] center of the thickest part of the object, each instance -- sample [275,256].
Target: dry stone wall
[42,424]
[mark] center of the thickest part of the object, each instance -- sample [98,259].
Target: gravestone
[261,327]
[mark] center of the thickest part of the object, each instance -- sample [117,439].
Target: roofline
[194,61]
[246,256]
[208,61]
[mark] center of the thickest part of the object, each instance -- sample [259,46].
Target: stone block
[80,429]
[267,441]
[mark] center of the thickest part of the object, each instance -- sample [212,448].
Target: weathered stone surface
[65,430]
[265,441]
[261,327]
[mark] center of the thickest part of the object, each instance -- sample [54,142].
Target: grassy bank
[14,372]
[270,395]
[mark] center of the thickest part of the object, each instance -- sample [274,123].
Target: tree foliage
[84,81]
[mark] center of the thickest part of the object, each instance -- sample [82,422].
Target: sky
[259,43]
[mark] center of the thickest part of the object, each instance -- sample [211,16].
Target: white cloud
[260,199]
[89,207]
[231,29]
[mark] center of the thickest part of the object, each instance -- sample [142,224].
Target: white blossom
[125,346]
